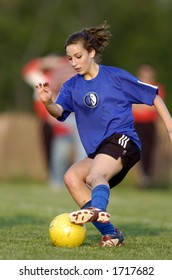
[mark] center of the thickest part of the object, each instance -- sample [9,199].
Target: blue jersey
[103,105]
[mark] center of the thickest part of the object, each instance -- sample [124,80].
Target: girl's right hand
[44,93]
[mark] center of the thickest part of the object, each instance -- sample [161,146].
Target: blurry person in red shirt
[59,138]
[145,118]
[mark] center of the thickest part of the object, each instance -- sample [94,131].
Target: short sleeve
[64,99]
[138,92]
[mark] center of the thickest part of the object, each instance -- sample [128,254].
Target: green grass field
[27,208]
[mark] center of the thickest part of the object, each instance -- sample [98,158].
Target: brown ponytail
[96,38]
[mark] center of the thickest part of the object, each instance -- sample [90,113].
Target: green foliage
[27,208]
[141,33]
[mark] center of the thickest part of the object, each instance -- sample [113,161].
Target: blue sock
[100,197]
[104,229]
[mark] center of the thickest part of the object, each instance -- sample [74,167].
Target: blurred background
[28,30]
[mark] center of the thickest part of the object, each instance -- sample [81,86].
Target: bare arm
[164,114]
[45,95]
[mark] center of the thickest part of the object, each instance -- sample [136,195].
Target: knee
[89,179]
[93,179]
[69,179]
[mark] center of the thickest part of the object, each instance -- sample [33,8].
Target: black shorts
[119,145]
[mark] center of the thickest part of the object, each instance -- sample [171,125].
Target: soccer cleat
[89,215]
[115,240]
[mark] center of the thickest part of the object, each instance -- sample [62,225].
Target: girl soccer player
[101,98]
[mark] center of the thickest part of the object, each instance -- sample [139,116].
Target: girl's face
[80,58]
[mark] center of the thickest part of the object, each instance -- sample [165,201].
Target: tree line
[141,34]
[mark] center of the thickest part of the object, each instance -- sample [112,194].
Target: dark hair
[96,38]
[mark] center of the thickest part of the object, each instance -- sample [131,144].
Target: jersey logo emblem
[91,99]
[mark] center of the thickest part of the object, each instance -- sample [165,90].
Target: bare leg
[93,172]
[75,180]
[103,168]
[99,171]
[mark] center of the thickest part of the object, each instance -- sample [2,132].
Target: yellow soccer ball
[65,234]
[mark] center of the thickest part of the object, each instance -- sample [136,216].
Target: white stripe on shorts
[123,141]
